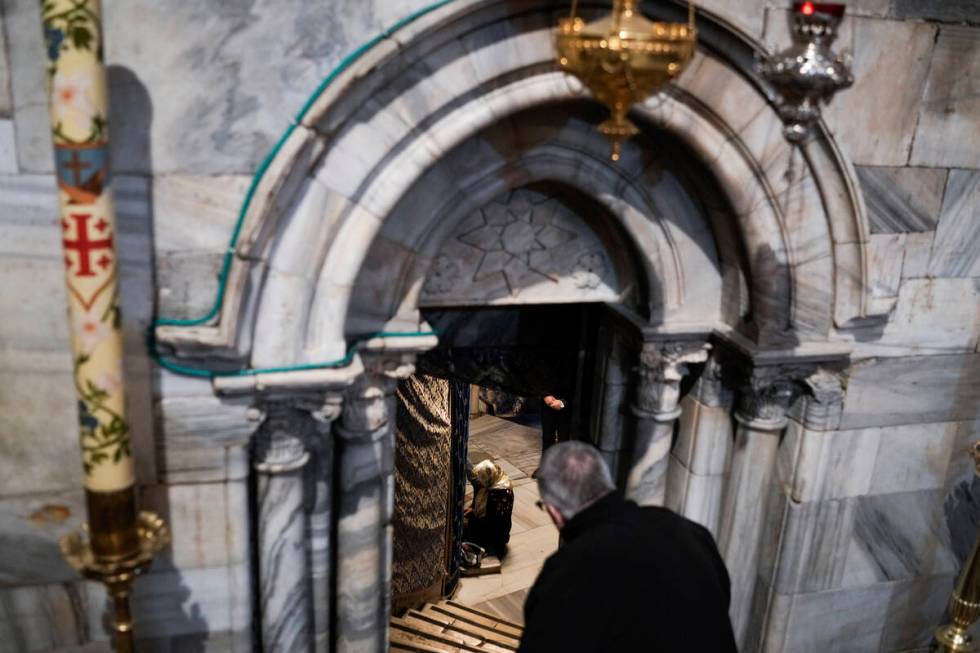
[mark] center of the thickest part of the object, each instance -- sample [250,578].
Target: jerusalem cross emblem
[89,256]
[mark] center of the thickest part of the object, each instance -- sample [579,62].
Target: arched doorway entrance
[711,234]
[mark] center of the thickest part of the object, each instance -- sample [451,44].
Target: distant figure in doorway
[555,422]
[487,521]
[627,578]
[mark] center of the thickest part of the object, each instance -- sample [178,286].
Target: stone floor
[533,537]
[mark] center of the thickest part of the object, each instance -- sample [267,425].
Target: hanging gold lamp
[623,58]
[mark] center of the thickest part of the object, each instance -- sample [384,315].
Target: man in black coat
[626,579]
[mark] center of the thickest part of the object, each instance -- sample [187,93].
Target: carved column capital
[767,395]
[324,410]
[824,400]
[369,403]
[661,368]
[714,386]
[393,366]
[279,445]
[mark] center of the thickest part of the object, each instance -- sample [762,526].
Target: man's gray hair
[572,476]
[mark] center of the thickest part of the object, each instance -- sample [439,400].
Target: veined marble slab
[949,115]
[897,537]
[43,617]
[8,146]
[915,609]
[912,390]
[185,605]
[29,530]
[902,200]
[842,621]
[822,465]
[955,252]
[209,522]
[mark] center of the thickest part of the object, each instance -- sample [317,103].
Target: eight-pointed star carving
[516,238]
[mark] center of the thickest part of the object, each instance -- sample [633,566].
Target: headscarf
[487,475]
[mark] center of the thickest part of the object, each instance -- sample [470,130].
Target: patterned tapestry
[460,406]
[423,480]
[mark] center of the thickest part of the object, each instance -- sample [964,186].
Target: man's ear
[556,517]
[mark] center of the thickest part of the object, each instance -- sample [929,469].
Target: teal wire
[239,223]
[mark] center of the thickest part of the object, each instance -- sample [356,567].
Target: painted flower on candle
[90,330]
[54,37]
[73,108]
[108,382]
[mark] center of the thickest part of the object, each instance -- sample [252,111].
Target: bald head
[572,476]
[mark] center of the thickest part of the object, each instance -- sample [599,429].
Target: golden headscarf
[487,475]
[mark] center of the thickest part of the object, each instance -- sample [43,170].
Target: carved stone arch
[413,98]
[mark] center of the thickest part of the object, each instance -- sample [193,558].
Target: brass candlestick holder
[964,604]
[118,573]
[623,59]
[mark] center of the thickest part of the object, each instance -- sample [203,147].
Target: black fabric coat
[629,580]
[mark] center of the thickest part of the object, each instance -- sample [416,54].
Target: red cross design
[85,246]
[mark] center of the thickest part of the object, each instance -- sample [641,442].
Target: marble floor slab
[517,449]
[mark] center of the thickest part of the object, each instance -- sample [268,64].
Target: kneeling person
[627,578]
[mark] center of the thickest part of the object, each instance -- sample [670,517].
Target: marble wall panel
[209,522]
[812,550]
[28,85]
[747,16]
[947,133]
[886,254]
[799,623]
[6,104]
[875,119]
[8,148]
[912,390]
[952,11]
[43,617]
[931,316]
[243,70]
[39,443]
[196,213]
[185,606]
[915,608]
[30,526]
[902,200]
[918,249]
[954,251]
[898,536]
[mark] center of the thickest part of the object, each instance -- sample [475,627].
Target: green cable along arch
[151,343]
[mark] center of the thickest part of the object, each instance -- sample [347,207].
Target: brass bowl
[623,59]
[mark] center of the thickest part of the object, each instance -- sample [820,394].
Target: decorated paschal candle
[78,104]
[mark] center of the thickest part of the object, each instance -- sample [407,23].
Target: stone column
[761,418]
[662,366]
[284,589]
[365,464]
[699,460]
[321,447]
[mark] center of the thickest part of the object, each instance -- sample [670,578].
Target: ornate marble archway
[407,103]
[759,247]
